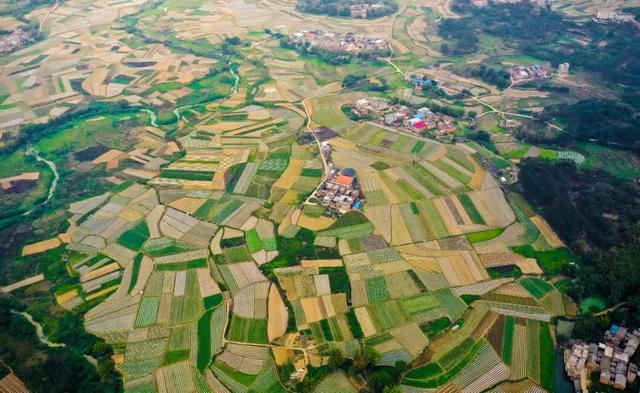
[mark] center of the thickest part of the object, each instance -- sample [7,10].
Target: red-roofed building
[419,126]
[344,180]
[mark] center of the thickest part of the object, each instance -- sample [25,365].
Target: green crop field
[134,238]
[427,180]
[377,290]
[148,311]
[547,357]
[187,175]
[427,376]
[137,262]
[195,263]
[248,330]
[204,341]
[461,177]
[451,303]
[477,237]
[253,241]
[419,303]
[507,339]
[536,287]
[237,254]
[471,210]
[227,210]
[550,261]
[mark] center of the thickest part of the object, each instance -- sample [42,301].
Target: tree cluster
[599,120]
[341,7]
[492,76]
[612,49]
[362,82]
[598,215]
[20,9]
[52,370]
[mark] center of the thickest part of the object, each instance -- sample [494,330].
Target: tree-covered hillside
[341,7]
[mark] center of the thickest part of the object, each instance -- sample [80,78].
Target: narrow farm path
[47,16]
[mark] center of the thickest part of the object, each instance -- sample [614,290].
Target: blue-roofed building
[349,172]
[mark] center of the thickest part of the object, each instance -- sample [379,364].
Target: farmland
[183,230]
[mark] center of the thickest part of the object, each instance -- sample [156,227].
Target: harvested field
[549,234]
[366,324]
[312,311]
[42,246]
[305,263]
[22,283]
[380,217]
[399,232]
[277,313]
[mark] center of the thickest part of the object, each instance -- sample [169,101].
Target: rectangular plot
[533,350]
[377,290]
[431,217]
[148,311]
[180,283]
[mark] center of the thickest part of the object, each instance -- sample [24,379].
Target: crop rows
[218,319]
[144,350]
[386,315]
[383,255]
[391,358]
[138,369]
[517,310]
[578,158]
[533,346]
[520,352]
[531,232]
[266,379]
[245,178]
[507,339]
[412,221]
[227,211]
[451,303]
[228,381]
[377,290]
[536,287]
[349,232]
[148,311]
[482,363]
[248,330]
[419,303]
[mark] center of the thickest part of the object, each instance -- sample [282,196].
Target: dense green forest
[341,7]
[54,370]
[598,215]
[20,9]
[612,52]
[605,121]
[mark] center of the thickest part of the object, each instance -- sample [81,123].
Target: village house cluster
[362,10]
[533,72]
[509,123]
[419,121]
[14,41]
[613,16]
[340,42]
[563,68]
[340,191]
[611,358]
[419,82]
[483,3]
